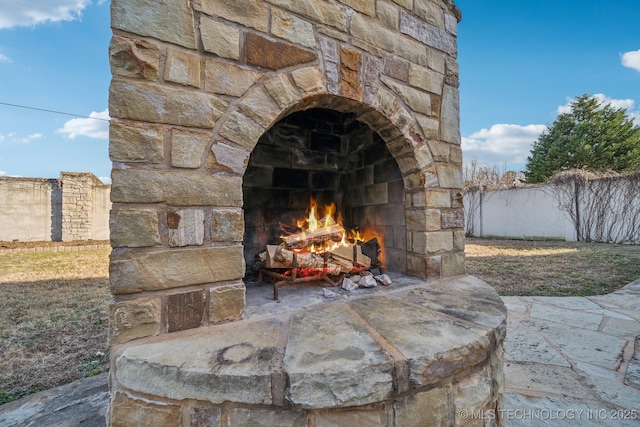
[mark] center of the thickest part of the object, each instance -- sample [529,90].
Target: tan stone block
[451,23]
[250,13]
[241,130]
[438,198]
[426,79]
[309,80]
[472,395]
[188,147]
[156,104]
[228,79]
[186,310]
[145,186]
[241,417]
[182,67]
[274,55]
[455,155]
[135,142]
[324,12]
[436,60]
[290,27]
[219,38]
[186,227]
[282,91]
[227,157]
[134,58]
[428,408]
[168,269]
[133,319]
[388,14]
[407,4]
[431,11]
[450,176]
[423,219]
[368,7]
[429,34]
[432,242]
[127,412]
[369,31]
[430,126]
[385,102]
[171,21]
[453,264]
[418,101]
[416,265]
[227,225]
[260,107]
[451,115]
[458,240]
[227,303]
[440,150]
[134,228]
[372,417]
[423,157]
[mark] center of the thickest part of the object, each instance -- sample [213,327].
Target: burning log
[280,257]
[318,237]
[352,253]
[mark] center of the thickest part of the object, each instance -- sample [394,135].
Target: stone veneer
[197,83]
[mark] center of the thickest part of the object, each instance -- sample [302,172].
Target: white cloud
[4,58]
[502,143]
[13,137]
[96,126]
[27,139]
[3,173]
[30,13]
[105,179]
[631,59]
[627,104]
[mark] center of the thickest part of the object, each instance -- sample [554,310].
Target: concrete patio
[569,361]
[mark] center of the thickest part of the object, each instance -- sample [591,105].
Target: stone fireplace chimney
[225,111]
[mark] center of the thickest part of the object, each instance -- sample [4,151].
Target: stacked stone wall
[73,207]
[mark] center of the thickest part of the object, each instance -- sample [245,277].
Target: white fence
[604,210]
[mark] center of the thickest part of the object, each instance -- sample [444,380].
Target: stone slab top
[353,350]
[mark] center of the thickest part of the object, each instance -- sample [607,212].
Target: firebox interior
[328,156]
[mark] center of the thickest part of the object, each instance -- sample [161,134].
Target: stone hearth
[414,355]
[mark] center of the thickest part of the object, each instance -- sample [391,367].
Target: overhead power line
[53,111]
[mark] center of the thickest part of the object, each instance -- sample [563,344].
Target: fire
[322,232]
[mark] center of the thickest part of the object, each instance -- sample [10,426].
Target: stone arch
[257,111]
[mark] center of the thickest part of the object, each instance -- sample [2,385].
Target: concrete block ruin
[227,118]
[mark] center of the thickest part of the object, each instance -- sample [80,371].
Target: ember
[319,248]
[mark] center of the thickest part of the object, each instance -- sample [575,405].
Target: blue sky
[520,64]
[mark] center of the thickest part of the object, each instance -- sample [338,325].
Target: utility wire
[53,111]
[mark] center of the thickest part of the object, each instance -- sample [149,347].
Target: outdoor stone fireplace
[226,118]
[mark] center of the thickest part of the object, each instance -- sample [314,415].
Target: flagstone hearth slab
[352,351]
[216,365]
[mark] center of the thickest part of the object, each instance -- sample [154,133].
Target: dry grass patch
[552,268]
[53,319]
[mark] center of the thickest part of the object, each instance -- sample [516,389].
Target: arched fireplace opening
[328,157]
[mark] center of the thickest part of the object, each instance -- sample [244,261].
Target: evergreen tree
[593,136]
